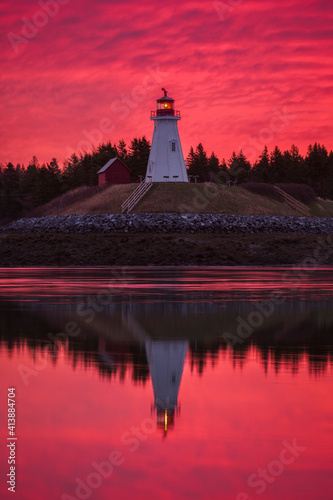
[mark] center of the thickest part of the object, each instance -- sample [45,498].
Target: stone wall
[170,223]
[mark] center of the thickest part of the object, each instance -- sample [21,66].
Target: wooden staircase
[294,204]
[136,196]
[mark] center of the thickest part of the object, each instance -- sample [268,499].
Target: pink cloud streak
[227,76]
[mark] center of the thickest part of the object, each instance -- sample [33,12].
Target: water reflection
[166,363]
[287,338]
[70,285]
[95,354]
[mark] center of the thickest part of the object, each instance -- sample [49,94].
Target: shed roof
[107,165]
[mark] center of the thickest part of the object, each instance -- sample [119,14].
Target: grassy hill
[175,197]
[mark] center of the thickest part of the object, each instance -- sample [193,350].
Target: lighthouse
[166,162]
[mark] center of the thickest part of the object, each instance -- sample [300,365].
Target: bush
[263,189]
[301,192]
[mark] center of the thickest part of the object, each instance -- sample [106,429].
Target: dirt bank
[207,249]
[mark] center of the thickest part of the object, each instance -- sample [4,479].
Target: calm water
[168,383]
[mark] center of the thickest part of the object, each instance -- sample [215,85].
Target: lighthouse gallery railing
[165,112]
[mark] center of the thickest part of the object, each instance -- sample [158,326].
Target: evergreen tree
[239,168]
[329,183]
[190,161]
[41,191]
[104,153]
[138,156]
[69,173]
[233,167]
[260,171]
[294,166]
[122,151]
[198,163]
[55,178]
[244,168]
[35,182]
[30,181]
[277,167]
[48,182]
[10,204]
[317,165]
[213,167]
[10,180]
[87,168]
[223,173]
[202,161]
[20,172]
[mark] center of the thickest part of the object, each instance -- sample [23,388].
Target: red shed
[114,172]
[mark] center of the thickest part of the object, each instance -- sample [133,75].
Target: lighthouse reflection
[166,360]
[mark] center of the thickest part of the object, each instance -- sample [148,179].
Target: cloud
[227,75]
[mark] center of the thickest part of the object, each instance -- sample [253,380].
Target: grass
[175,197]
[322,208]
[107,201]
[208,198]
[61,203]
[86,199]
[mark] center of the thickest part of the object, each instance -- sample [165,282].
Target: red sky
[68,419]
[244,73]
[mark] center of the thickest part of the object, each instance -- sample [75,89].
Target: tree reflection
[286,340]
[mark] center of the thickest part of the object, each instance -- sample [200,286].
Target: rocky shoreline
[170,223]
[166,240]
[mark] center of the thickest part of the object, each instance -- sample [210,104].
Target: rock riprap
[170,223]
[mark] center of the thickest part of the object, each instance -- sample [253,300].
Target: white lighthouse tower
[166,162]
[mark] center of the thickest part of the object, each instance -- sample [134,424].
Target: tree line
[315,169]
[24,188]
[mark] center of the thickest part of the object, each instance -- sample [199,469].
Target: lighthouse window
[173,146]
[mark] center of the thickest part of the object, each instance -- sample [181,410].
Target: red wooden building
[114,172]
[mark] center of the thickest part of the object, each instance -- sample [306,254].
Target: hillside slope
[175,197]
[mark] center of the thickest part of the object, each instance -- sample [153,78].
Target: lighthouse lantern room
[166,162]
